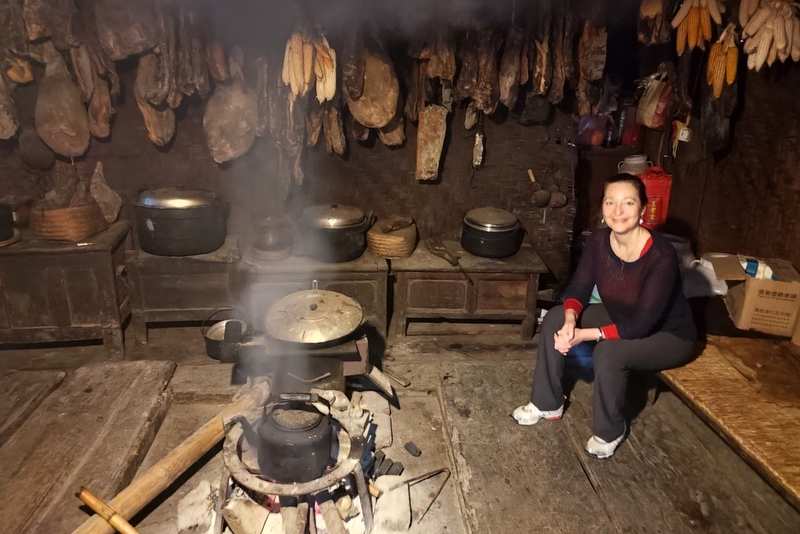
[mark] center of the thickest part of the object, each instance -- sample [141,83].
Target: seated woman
[644,322]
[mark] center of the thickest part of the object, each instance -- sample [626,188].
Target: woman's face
[621,207]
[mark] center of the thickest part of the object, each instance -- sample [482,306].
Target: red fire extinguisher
[658,184]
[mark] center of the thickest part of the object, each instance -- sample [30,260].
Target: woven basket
[397,244]
[67,224]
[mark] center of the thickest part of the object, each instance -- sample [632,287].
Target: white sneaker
[529,414]
[601,448]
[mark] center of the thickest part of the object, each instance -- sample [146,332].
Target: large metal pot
[334,233]
[180,222]
[491,233]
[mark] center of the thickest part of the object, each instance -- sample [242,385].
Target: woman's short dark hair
[632,179]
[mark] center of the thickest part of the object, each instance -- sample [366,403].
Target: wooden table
[427,287]
[181,288]
[54,291]
[258,283]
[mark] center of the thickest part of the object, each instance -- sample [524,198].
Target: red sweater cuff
[610,331]
[574,305]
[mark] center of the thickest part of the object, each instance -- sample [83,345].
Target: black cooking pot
[491,233]
[334,233]
[180,222]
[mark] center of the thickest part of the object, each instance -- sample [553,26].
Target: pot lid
[333,216]
[313,316]
[491,219]
[175,198]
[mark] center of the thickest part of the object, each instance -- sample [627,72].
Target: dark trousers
[613,360]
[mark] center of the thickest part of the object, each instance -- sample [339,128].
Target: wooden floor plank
[419,419]
[20,394]
[515,479]
[93,431]
[664,479]
[181,421]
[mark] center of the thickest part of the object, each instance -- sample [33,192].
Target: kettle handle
[249,433]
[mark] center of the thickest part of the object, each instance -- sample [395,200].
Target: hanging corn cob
[771,29]
[693,22]
[298,63]
[324,69]
[723,60]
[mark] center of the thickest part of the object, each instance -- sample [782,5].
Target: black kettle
[293,440]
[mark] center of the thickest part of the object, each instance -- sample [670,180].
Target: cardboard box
[769,306]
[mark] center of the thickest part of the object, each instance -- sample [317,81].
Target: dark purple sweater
[643,296]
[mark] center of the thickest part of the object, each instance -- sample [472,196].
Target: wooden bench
[747,390]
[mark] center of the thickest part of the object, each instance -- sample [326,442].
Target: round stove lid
[333,216]
[491,219]
[176,198]
[313,316]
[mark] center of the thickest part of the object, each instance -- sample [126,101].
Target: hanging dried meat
[394,133]
[217,62]
[556,92]
[654,23]
[332,128]
[152,80]
[262,95]
[49,19]
[94,70]
[470,116]
[83,69]
[353,66]
[84,34]
[126,27]
[294,136]
[591,63]
[8,111]
[509,67]
[430,141]
[541,57]
[468,59]
[358,131]
[13,42]
[313,123]
[202,80]
[416,84]
[231,115]
[159,121]
[59,116]
[524,60]
[441,56]
[487,90]
[192,66]
[377,104]
[100,109]
[163,71]
[571,33]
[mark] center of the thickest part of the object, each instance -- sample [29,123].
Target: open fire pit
[303,452]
